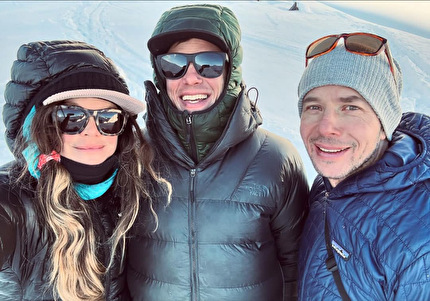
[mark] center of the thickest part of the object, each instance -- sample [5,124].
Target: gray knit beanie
[368,75]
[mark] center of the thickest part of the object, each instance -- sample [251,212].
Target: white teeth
[194,97]
[330,150]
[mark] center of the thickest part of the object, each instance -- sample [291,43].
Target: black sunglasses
[72,120]
[208,64]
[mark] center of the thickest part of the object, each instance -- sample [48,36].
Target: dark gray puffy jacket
[231,230]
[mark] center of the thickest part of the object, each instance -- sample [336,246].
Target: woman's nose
[91,127]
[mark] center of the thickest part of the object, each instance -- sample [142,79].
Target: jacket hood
[213,23]
[405,163]
[42,70]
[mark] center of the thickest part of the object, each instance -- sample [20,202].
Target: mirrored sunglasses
[361,43]
[207,64]
[72,120]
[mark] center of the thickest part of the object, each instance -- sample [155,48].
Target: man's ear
[382,134]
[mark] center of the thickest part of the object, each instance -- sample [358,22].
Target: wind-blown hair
[76,273]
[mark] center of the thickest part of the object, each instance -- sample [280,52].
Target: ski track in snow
[95,28]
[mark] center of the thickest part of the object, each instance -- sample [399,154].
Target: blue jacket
[380,220]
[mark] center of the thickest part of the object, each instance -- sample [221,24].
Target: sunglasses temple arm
[390,60]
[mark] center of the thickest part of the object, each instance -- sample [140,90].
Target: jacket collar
[244,120]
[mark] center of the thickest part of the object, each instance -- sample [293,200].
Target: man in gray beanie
[367,233]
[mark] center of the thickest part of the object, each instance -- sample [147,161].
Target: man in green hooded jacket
[239,196]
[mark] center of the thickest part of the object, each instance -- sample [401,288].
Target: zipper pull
[188,122]
[190,137]
[192,175]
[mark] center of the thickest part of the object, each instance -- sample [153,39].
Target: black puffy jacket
[231,230]
[24,243]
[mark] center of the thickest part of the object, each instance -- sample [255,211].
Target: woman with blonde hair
[73,192]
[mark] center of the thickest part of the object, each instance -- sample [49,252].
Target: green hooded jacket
[200,130]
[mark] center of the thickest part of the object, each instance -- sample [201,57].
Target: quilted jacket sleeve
[7,227]
[287,225]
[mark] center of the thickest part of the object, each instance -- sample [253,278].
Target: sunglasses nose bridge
[191,74]
[93,115]
[191,61]
[91,125]
[90,118]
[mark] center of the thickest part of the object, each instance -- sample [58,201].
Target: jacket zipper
[190,137]
[193,241]
[326,197]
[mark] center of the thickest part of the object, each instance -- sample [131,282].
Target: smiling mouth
[331,151]
[194,98]
[84,148]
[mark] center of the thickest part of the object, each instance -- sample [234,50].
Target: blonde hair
[76,272]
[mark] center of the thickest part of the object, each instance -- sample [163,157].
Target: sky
[412,16]
[273,39]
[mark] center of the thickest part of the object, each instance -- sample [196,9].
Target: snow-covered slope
[273,38]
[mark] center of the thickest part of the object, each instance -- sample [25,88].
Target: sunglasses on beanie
[359,43]
[207,64]
[72,120]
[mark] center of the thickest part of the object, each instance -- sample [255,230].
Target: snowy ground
[273,39]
